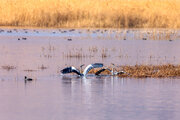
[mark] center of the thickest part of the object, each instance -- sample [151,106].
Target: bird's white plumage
[73,68]
[87,69]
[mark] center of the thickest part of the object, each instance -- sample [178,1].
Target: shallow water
[105,98]
[54,97]
[51,47]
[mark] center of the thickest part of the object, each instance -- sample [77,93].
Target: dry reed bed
[142,71]
[91,13]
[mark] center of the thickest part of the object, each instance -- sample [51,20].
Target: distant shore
[91,13]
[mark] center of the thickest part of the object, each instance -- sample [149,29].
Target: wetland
[150,57]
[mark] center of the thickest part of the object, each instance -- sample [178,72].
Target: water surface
[42,53]
[59,98]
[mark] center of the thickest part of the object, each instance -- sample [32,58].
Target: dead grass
[91,13]
[143,71]
[77,54]
[8,67]
[42,67]
[30,70]
[153,71]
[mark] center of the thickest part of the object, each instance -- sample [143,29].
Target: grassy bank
[143,71]
[91,13]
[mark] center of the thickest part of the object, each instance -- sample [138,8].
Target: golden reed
[91,13]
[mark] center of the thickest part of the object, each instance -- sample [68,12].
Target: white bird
[86,70]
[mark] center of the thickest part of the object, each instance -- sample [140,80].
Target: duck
[28,79]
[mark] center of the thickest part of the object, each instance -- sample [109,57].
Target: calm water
[54,97]
[105,98]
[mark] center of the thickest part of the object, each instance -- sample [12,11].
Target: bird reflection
[70,79]
[66,80]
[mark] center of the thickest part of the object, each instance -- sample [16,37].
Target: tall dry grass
[91,13]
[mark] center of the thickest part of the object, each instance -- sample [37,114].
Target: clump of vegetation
[143,71]
[104,53]
[93,49]
[8,67]
[168,70]
[30,70]
[91,13]
[74,55]
[42,67]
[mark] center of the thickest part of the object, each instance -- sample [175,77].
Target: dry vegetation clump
[30,70]
[142,71]
[153,70]
[42,67]
[8,67]
[91,13]
[74,55]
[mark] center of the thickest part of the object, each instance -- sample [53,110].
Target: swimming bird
[86,70]
[24,38]
[69,39]
[28,79]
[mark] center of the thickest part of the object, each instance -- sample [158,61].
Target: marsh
[55,97]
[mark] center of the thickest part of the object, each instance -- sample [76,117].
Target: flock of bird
[88,68]
[53,32]
[72,69]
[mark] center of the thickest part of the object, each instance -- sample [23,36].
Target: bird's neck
[81,70]
[112,72]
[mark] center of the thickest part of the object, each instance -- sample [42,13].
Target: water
[54,97]
[53,50]
[105,98]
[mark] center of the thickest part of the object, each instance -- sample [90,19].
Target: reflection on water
[97,98]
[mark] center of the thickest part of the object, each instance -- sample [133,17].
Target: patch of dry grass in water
[142,71]
[42,67]
[30,70]
[8,67]
[91,13]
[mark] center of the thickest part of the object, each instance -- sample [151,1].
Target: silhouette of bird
[28,79]
[86,70]
[113,73]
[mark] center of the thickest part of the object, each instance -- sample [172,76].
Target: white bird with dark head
[85,72]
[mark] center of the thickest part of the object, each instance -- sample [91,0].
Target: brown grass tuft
[143,71]
[42,67]
[8,67]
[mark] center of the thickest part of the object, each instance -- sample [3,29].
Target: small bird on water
[28,79]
